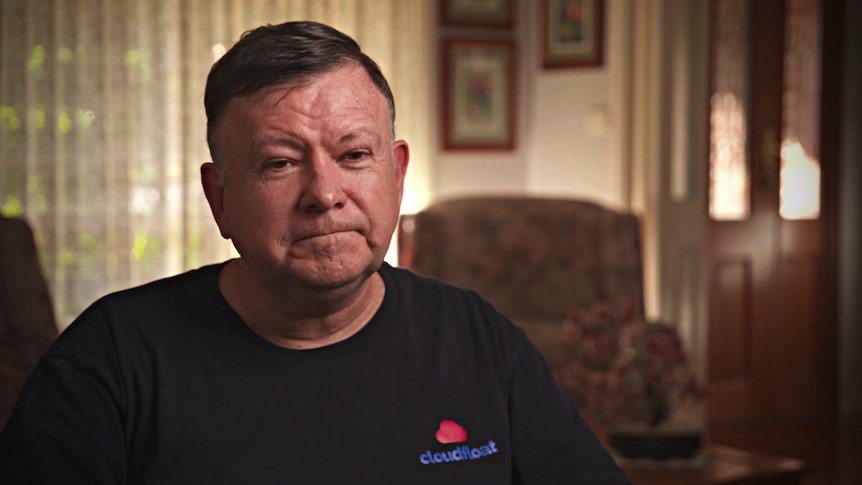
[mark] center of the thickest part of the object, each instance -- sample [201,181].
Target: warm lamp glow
[411,202]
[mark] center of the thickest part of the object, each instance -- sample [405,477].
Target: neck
[308,318]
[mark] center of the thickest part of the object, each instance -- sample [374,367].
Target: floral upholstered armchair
[570,273]
[533,258]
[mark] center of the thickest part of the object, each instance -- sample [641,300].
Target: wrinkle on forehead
[350,92]
[341,91]
[290,89]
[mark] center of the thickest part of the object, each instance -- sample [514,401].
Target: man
[307,359]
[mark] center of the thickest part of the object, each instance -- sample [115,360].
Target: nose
[323,186]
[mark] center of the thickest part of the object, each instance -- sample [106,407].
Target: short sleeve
[67,425]
[551,443]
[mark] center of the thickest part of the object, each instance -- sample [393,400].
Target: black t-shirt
[165,384]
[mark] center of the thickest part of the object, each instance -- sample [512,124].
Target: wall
[566,142]
[562,135]
[570,135]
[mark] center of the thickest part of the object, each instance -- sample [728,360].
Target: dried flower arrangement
[623,368]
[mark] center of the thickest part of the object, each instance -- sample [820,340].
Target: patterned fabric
[533,258]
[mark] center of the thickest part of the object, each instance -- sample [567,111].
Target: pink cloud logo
[450,432]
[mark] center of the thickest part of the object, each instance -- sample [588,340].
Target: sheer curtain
[102,126]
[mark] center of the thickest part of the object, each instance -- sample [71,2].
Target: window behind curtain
[102,126]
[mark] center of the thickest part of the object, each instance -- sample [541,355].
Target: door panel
[768,349]
[731,333]
[734,374]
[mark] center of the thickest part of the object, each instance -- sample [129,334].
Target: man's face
[313,180]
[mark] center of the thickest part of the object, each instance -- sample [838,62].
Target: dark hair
[291,52]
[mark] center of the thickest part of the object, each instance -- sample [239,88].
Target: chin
[328,274]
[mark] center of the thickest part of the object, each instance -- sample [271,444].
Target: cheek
[385,213]
[247,207]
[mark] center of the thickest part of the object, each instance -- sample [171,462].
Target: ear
[211,179]
[401,155]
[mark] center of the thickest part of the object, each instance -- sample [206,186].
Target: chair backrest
[533,258]
[27,321]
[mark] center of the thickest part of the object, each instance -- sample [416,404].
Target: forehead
[338,101]
[340,90]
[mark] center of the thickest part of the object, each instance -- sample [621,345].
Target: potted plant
[629,376]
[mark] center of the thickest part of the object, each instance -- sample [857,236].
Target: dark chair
[27,321]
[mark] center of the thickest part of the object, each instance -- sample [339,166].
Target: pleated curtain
[102,126]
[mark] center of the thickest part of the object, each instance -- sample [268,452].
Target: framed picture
[478,94]
[478,13]
[573,31]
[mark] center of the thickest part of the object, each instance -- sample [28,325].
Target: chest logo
[449,432]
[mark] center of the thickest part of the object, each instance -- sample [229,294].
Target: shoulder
[407,281]
[164,302]
[448,313]
[429,294]
[188,287]
[193,282]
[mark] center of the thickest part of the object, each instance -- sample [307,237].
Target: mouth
[324,231]
[312,236]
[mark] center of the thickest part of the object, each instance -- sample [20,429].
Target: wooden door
[771,294]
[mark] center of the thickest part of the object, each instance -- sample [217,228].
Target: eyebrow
[289,141]
[284,140]
[359,134]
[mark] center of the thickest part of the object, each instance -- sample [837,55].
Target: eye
[355,156]
[278,164]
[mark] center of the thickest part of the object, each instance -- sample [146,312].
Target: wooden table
[724,465]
